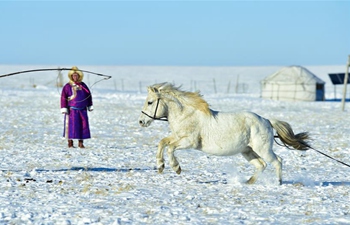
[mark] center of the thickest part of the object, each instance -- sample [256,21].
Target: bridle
[163,118]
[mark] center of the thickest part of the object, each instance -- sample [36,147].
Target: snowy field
[114,180]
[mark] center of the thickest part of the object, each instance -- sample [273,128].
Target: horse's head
[154,107]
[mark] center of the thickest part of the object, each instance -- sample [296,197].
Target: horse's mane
[193,99]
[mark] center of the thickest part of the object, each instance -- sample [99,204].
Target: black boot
[70,144]
[81,145]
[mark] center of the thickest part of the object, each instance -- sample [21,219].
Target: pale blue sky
[175,33]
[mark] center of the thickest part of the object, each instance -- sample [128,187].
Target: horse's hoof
[160,169]
[178,171]
[251,181]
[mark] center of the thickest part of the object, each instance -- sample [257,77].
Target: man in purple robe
[76,100]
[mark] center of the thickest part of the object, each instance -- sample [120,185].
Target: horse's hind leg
[255,160]
[277,163]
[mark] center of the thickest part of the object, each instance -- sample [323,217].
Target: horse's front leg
[183,143]
[160,153]
[172,159]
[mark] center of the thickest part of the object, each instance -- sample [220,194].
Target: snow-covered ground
[114,180]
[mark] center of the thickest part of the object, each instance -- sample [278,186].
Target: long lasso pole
[59,69]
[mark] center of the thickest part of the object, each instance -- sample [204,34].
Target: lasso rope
[284,145]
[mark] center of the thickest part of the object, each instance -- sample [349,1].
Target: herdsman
[76,100]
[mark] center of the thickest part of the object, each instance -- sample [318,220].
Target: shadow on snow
[125,170]
[95,169]
[318,183]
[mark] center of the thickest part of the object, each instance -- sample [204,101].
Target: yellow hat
[75,70]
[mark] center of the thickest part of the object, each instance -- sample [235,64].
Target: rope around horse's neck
[284,145]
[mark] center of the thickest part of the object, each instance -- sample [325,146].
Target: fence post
[214,85]
[237,84]
[228,87]
[345,83]
[60,79]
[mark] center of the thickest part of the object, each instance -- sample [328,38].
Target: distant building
[293,83]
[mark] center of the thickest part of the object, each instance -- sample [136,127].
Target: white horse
[195,126]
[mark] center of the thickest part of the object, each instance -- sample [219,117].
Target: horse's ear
[153,89]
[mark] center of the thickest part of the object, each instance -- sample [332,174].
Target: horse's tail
[287,136]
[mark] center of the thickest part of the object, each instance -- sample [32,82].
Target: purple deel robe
[76,98]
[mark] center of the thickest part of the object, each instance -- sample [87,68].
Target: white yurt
[293,83]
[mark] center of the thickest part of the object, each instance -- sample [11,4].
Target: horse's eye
[150,103]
